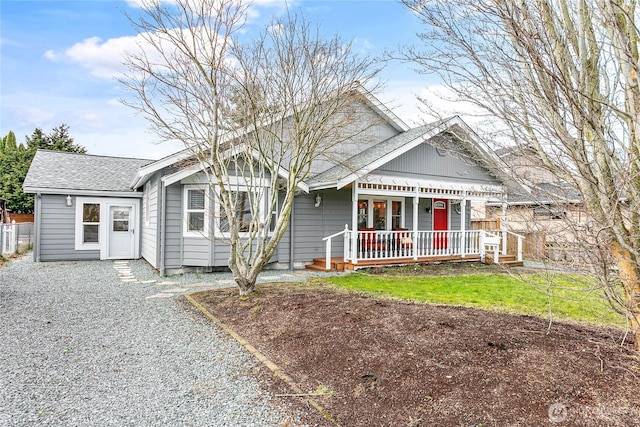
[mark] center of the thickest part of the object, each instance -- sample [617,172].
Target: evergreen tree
[15,160]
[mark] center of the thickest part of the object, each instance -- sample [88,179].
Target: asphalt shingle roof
[370,155]
[73,171]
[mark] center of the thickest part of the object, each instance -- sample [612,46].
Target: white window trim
[103,228]
[388,217]
[261,210]
[185,211]
[79,223]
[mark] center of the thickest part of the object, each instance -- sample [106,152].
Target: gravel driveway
[79,346]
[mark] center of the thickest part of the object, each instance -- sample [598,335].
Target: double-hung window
[242,209]
[196,207]
[90,223]
[249,210]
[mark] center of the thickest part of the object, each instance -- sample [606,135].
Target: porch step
[319,264]
[509,261]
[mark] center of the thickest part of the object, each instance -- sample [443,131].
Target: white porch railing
[380,245]
[388,245]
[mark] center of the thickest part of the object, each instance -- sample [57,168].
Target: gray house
[404,196]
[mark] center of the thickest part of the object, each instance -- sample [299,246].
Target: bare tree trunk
[254,115]
[558,80]
[631,281]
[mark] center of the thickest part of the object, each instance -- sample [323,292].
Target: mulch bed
[386,362]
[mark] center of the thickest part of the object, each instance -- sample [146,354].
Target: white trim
[91,193]
[194,169]
[103,226]
[148,170]
[80,245]
[185,210]
[370,199]
[181,174]
[146,204]
[382,109]
[407,187]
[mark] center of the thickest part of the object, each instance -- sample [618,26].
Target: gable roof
[53,171]
[370,100]
[374,157]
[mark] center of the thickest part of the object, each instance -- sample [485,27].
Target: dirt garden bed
[385,362]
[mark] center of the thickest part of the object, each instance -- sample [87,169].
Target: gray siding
[196,251]
[149,236]
[369,129]
[312,224]
[428,162]
[173,224]
[57,232]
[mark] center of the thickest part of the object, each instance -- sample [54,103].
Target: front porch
[374,248]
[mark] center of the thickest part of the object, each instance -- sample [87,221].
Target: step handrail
[504,243]
[327,245]
[336,234]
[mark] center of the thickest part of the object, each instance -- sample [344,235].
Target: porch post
[503,226]
[354,222]
[416,203]
[463,226]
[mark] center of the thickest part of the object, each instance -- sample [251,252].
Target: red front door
[440,223]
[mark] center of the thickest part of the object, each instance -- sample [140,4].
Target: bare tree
[562,77]
[256,115]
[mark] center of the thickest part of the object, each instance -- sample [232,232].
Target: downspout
[38,219]
[161,228]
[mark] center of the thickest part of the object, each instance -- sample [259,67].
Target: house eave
[79,192]
[192,170]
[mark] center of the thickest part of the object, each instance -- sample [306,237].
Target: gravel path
[79,346]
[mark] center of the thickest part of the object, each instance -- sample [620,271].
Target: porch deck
[339,264]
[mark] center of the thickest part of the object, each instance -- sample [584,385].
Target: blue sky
[59,60]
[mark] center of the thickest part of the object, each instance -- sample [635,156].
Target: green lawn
[572,297]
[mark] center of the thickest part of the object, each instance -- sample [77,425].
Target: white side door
[121,232]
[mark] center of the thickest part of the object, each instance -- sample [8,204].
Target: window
[363,213]
[242,205]
[121,219]
[381,214]
[396,214]
[90,223]
[196,211]
[249,211]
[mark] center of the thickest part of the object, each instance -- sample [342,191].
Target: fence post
[482,255]
[519,248]
[1,239]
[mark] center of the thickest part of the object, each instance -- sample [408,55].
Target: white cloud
[103,59]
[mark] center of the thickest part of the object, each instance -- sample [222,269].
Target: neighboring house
[397,195]
[543,206]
